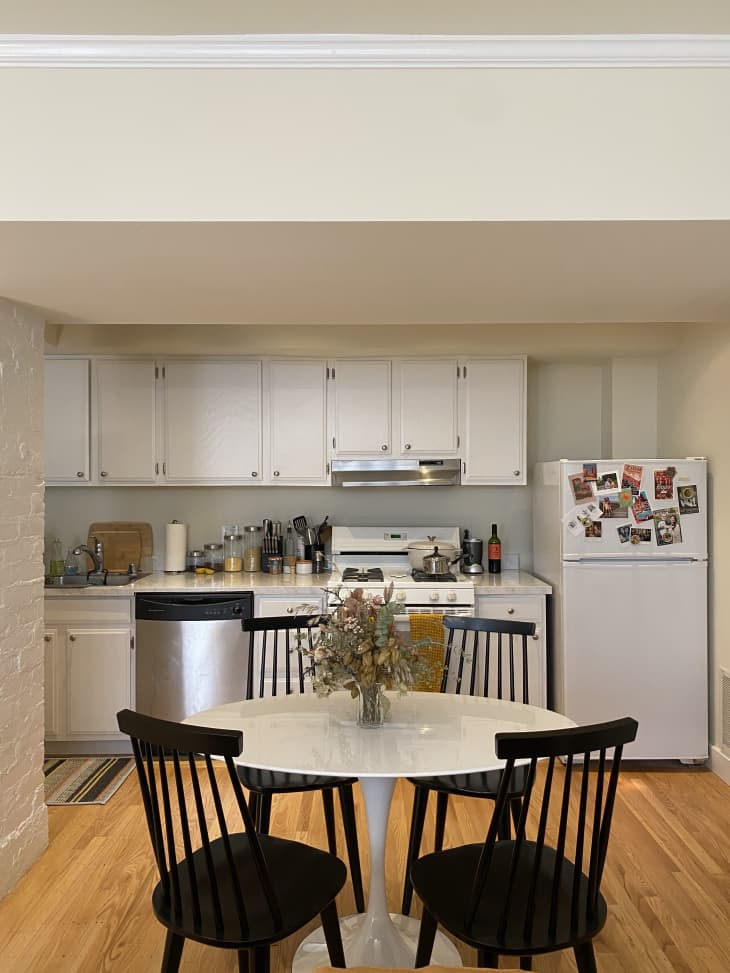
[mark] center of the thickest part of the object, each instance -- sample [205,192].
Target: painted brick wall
[23,818]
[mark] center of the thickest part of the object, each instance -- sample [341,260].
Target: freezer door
[634,643]
[691,476]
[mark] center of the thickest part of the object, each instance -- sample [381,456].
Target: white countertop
[507,583]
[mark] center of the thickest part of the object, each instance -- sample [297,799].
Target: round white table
[428,734]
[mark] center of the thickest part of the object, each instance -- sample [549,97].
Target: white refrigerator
[624,545]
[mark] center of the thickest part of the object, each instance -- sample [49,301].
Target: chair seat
[292,867]
[278,782]
[444,881]
[484,784]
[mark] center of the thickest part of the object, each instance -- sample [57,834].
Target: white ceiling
[368,273]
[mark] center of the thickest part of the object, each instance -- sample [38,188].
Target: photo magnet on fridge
[688,501]
[664,484]
[641,535]
[581,490]
[607,481]
[667,526]
[611,506]
[626,497]
[641,509]
[590,472]
[631,477]
[624,533]
[594,529]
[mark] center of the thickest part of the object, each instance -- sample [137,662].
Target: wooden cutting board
[125,541]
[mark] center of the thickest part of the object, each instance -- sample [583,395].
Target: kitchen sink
[113,580]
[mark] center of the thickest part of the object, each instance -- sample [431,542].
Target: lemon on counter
[204,571]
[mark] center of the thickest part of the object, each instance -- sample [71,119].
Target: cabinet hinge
[157,469]
[328,372]
[131,641]
[334,444]
[157,373]
[464,371]
[458,441]
[163,371]
[164,469]
[333,371]
[463,467]
[328,469]
[458,372]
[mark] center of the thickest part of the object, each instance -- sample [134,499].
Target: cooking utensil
[437,563]
[417,550]
[299,523]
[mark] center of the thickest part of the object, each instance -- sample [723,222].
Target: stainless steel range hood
[396,472]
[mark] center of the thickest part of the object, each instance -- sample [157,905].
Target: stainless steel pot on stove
[418,550]
[438,563]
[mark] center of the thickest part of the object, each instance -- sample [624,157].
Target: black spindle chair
[488,657]
[220,885]
[276,666]
[526,896]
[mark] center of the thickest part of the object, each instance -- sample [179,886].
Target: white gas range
[371,557]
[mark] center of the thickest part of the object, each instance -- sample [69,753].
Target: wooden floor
[84,907]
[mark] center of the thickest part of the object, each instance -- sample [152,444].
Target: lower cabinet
[88,667]
[523,608]
[270,606]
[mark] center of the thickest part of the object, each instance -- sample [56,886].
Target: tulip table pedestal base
[377,938]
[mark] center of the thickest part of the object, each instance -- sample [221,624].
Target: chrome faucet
[97,556]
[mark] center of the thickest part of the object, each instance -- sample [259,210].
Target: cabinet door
[66,420]
[493,421]
[361,408]
[269,606]
[297,423]
[53,666]
[427,422]
[523,608]
[212,419]
[98,681]
[125,421]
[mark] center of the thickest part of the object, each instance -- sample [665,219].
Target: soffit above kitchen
[379,273]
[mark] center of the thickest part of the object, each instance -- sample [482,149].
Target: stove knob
[451,596]
[400,596]
[434,596]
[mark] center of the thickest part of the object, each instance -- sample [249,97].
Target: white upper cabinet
[425,414]
[360,391]
[297,422]
[125,421]
[66,420]
[492,421]
[212,421]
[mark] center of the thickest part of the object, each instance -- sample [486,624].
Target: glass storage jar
[195,559]
[213,556]
[252,537]
[233,552]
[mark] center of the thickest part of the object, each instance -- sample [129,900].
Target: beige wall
[23,820]
[694,404]
[366,145]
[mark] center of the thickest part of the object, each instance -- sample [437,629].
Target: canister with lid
[233,552]
[195,559]
[252,548]
[213,556]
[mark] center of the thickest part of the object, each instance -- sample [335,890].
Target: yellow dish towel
[429,630]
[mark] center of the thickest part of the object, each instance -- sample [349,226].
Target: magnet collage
[650,513]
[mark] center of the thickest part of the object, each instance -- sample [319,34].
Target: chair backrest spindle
[486,657]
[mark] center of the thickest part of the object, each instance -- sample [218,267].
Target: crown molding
[365,51]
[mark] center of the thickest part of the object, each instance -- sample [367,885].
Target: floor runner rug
[84,780]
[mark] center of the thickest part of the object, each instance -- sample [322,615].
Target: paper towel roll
[176,545]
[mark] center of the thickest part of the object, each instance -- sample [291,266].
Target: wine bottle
[494,552]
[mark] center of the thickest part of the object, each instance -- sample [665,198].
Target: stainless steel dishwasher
[191,652]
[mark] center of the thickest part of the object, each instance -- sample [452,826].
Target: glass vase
[370,710]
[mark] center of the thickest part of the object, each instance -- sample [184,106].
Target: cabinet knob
[276,472]
[80,474]
[103,473]
[407,446]
[515,472]
[384,447]
[510,611]
[72,638]
[254,473]
[46,638]
[536,637]
[290,610]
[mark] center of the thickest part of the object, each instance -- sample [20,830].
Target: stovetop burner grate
[363,574]
[436,578]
